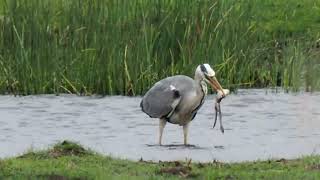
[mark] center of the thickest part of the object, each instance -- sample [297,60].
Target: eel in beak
[219,97]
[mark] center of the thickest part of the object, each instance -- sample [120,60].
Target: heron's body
[178,102]
[177,99]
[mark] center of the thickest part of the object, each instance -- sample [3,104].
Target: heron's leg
[162,124]
[185,133]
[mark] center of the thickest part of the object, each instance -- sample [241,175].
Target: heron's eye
[203,69]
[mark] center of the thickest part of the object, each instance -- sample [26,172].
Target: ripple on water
[72,114]
[316,114]
[81,104]
[37,111]
[7,129]
[109,137]
[238,105]
[23,124]
[105,127]
[8,108]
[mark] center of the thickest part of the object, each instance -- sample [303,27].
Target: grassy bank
[68,160]
[123,47]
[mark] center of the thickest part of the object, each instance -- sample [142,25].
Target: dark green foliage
[123,47]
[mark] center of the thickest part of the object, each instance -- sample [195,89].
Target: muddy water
[259,124]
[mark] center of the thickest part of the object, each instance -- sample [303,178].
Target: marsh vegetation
[123,47]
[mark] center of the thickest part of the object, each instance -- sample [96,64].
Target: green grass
[124,47]
[68,160]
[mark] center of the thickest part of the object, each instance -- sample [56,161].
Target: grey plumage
[161,99]
[177,99]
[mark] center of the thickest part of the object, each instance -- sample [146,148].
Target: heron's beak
[215,84]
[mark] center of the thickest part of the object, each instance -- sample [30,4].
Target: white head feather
[210,71]
[207,70]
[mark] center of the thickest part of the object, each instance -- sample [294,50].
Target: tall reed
[124,47]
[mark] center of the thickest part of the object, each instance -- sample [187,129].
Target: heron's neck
[201,84]
[198,78]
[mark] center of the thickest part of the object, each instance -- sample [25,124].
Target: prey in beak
[220,95]
[215,84]
[218,111]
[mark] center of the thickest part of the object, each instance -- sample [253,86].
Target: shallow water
[258,124]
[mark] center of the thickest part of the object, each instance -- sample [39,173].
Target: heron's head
[205,72]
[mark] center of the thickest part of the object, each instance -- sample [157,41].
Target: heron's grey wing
[160,100]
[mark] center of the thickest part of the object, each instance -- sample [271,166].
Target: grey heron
[177,99]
